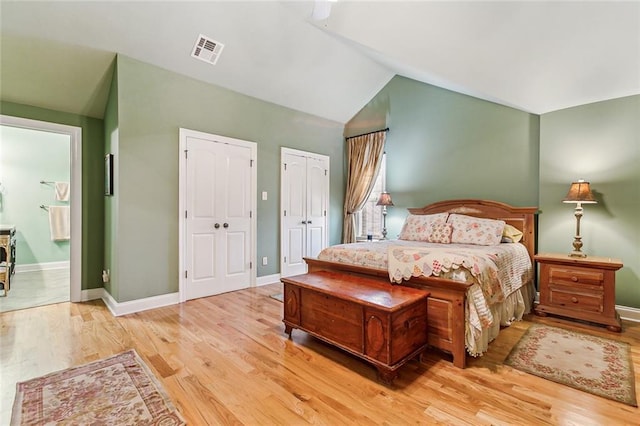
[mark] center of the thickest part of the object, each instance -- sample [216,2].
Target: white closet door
[218,215]
[304,208]
[201,248]
[317,200]
[236,225]
[294,171]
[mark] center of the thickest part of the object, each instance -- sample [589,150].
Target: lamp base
[577,244]
[384,222]
[577,254]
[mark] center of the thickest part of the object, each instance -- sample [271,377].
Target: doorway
[52,272]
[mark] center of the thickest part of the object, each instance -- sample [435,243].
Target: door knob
[217,225]
[225,225]
[304,222]
[309,222]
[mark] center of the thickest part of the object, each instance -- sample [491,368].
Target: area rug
[119,390]
[278,296]
[591,364]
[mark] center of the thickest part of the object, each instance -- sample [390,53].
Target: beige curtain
[364,154]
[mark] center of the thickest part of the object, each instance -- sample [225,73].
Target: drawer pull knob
[574,300]
[574,279]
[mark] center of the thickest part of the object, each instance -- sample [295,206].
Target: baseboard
[130,307]
[31,267]
[628,313]
[91,294]
[268,279]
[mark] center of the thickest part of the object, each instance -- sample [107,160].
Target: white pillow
[474,230]
[416,226]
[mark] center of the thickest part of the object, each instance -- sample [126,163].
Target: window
[369,219]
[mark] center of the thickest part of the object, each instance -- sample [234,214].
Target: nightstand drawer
[570,299]
[574,275]
[580,301]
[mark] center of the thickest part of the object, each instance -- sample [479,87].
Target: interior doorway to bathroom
[38,162]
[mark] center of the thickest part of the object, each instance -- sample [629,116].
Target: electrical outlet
[105,276]
[264,261]
[264,195]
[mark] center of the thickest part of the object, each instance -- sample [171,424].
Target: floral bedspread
[494,271]
[407,262]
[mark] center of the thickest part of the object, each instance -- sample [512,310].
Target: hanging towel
[62,191]
[60,223]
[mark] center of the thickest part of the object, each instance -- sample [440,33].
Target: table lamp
[384,201]
[579,193]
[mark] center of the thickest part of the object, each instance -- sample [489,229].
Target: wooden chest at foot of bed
[383,324]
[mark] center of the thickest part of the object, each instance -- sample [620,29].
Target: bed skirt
[513,308]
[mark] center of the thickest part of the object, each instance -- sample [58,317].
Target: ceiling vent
[207,49]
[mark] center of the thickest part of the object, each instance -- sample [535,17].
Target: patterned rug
[117,390]
[591,364]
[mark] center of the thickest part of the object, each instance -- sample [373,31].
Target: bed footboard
[445,312]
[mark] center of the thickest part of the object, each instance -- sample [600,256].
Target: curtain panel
[364,156]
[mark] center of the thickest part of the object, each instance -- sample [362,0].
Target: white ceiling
[535,56]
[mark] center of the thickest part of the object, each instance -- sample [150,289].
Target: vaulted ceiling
[534,56]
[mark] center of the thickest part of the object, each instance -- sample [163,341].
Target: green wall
[443,145]
[92,182]
[152,105]
[111,133]
[28,156]
[600,143]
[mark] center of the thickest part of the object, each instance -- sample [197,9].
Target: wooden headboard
[522,218]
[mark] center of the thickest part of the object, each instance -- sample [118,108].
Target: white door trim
[182,203]
[75,199]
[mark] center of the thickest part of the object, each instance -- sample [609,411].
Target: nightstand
[582,288]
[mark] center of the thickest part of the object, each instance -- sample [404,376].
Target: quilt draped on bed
[494,272]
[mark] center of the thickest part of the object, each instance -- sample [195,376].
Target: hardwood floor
[37,288]
[226,360]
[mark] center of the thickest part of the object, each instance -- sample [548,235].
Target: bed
[458,321]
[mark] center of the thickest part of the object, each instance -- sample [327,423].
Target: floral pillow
[474,230]
[440,233]
[416,226]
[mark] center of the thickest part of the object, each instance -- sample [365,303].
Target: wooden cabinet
[579,288]
[383,324]
[7,257]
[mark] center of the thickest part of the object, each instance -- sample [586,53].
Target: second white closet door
[305,199]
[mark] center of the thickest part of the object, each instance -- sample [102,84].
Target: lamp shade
[580,192]
[384,200]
